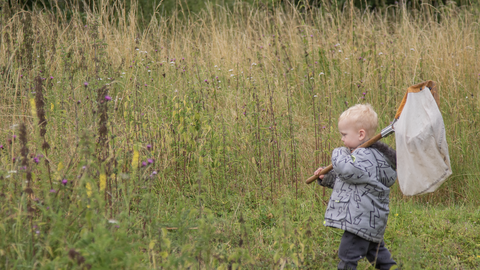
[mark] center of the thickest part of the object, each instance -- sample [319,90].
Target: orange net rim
[415,89]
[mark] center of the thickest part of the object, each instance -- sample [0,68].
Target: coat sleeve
[354,168]
[328,180]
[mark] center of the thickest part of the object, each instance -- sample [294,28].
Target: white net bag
[423,162]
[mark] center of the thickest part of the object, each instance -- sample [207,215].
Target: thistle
[42,121]
[102,100]
[24,153]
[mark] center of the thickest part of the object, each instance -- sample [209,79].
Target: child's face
[352,137]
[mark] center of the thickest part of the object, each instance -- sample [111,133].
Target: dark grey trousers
[353,248]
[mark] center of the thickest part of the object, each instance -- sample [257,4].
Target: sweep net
[423,163]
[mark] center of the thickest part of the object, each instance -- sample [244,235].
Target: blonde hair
[362,116]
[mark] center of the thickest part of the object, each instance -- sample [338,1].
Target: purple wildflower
[150,161]
[52,190]
[37,232]
[149,147]
[144,163]
[108,98]
[154,172]
[36,160]
[85,84]
[1,146]
[64,182]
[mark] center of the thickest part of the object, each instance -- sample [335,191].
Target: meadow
[185,144]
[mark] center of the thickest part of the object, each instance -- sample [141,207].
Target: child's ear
[362,134]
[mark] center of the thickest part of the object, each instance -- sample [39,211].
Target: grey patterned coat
[360,197]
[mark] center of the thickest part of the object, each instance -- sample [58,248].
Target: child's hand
[317,173]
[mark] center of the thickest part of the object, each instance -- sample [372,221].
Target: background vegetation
[185,142]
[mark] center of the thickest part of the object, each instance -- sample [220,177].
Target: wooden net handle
[330,167]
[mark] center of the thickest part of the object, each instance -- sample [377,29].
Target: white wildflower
[380,53]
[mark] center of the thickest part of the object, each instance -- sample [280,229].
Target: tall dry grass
[250,95]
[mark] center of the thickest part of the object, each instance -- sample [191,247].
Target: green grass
[215,121]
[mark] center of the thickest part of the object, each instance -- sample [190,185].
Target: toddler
[361,179]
